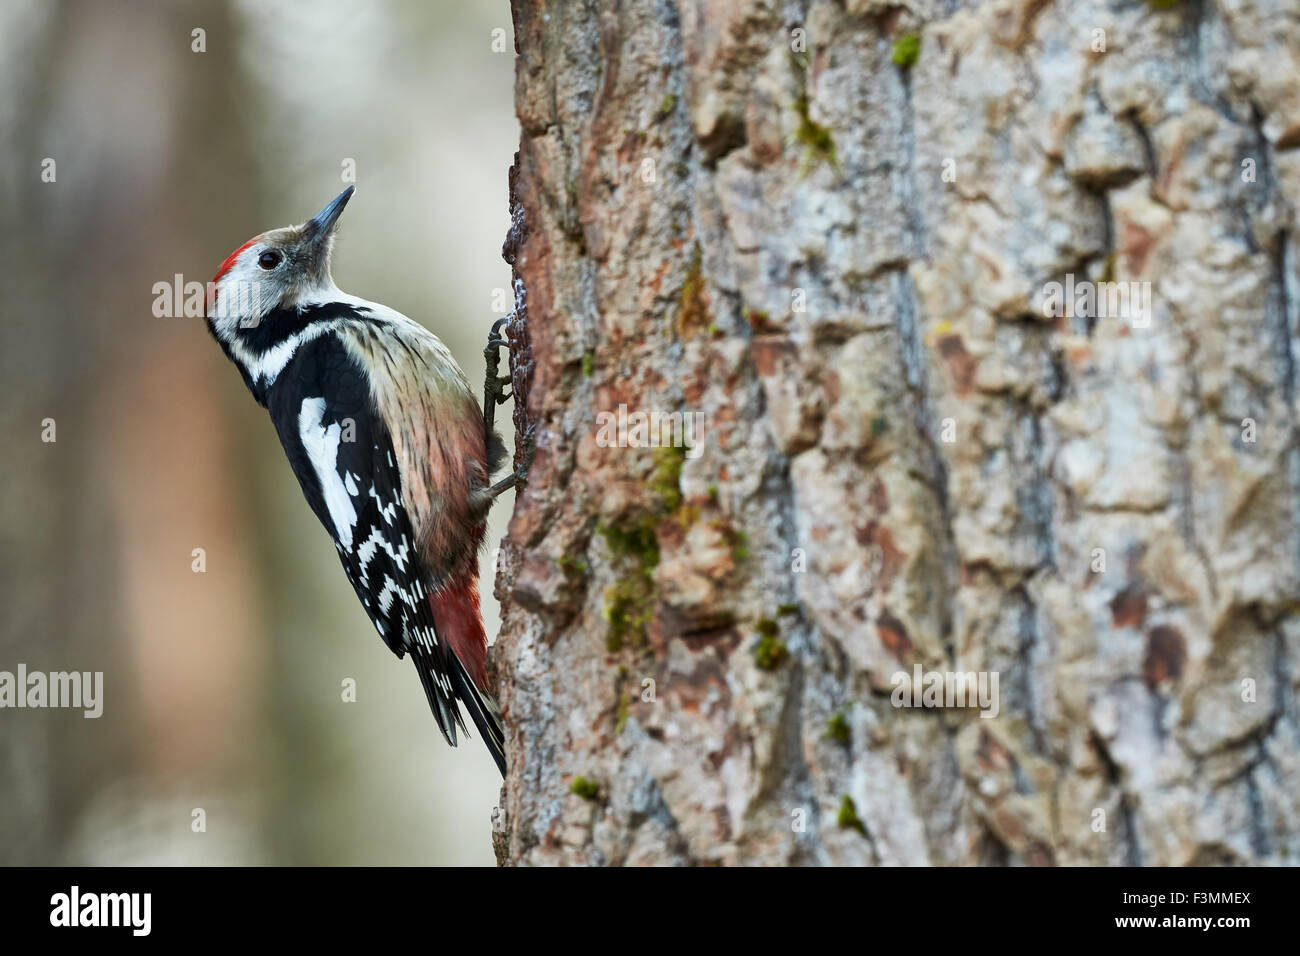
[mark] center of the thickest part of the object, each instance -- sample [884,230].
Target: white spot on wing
[386,595]
[389,512]
[367,550]
[322,446]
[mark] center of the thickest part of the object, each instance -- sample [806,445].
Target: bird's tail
[485,713]
[459,624]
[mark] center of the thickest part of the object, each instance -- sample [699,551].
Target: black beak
[322,224]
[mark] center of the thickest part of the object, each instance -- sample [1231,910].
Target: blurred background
[223,689]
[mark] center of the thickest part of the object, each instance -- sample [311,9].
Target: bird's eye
[269,260]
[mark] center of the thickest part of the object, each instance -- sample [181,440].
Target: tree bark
[839,253]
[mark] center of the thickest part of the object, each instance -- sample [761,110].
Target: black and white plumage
[386,439]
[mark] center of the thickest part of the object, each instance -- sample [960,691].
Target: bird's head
[282,268]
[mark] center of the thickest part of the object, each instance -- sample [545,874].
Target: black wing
[342,453]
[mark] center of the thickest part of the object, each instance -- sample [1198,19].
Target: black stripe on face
[281,324]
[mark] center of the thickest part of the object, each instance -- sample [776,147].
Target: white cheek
[244,295]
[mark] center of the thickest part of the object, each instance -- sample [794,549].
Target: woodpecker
[389,443]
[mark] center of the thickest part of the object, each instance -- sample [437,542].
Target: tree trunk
[840,250]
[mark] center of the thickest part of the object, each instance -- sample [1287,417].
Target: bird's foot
[519,477]
[494,385]
[526,459]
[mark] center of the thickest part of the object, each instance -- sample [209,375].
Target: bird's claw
[526,458]
[494,385]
